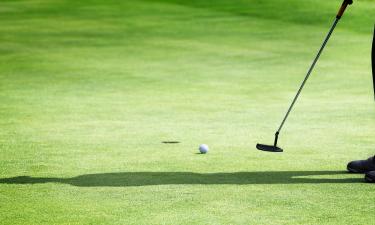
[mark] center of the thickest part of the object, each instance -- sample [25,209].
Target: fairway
[105,103]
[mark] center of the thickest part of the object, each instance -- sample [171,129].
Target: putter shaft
[307,76]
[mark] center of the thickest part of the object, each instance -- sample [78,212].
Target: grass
[90,90]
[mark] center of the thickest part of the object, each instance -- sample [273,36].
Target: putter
[274,148]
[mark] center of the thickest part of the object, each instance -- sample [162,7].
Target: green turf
[89,90]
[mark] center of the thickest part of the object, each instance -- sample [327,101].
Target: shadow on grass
[164,178]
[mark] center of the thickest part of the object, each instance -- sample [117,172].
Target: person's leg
[366,166]
[373,61]
[370,176]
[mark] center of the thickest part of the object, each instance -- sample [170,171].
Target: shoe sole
[351,170]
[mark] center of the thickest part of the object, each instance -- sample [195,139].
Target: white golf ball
[203,148]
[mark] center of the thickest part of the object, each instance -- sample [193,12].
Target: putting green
[90,90]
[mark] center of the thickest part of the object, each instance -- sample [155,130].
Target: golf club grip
[343,7]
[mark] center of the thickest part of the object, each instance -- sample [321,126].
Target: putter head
[269,148]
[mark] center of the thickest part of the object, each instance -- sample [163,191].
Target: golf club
[274,148]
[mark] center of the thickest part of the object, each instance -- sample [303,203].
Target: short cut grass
[91,89]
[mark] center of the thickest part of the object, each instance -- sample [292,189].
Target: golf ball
[203,148]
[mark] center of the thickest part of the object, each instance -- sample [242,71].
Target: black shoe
[370,177]
[362,166]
